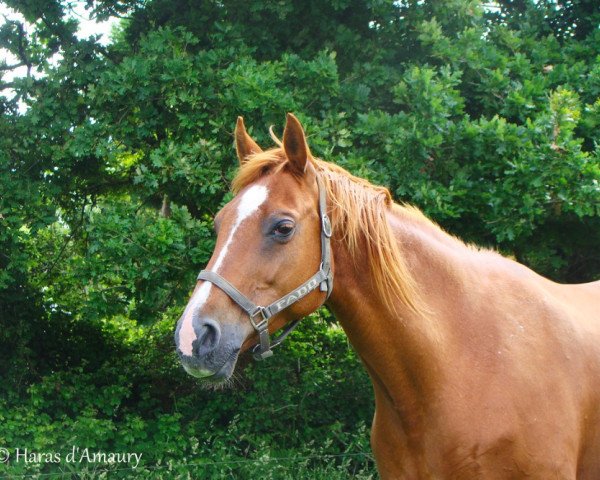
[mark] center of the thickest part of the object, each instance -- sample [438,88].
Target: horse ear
[244,145]
[295,146]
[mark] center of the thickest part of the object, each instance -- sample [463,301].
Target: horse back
[582,302]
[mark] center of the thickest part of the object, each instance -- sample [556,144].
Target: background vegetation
[113,160]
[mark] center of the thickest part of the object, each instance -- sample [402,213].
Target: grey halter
[259,316]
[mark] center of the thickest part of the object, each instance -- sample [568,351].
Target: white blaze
[251,200]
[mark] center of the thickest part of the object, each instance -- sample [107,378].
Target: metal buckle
[326,226]
[263,323]
[259,356]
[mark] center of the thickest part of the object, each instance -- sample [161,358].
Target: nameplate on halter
[296,294]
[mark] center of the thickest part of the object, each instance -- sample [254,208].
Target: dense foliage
[113,160]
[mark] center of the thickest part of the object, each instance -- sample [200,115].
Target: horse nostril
[208,336]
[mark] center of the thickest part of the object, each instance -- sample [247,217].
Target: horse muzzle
[212,354]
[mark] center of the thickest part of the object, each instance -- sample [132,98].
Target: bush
[284,416]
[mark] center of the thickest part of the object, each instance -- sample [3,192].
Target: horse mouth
[218,377]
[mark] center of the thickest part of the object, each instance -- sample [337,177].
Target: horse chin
[214,383]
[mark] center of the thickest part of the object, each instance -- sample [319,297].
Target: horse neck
[403,351]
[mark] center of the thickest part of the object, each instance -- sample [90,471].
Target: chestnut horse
[481,368]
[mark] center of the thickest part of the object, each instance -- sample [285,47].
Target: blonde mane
[359,210]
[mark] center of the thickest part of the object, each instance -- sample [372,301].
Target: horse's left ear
[244,145]
[295,146]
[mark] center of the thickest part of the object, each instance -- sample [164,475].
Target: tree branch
[12,67]
[21,48]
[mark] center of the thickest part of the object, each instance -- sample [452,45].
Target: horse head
[271,239]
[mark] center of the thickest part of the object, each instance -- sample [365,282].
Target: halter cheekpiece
[259,316]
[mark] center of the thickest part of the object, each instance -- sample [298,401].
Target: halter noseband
[259,316]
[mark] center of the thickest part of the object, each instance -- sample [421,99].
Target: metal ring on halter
[326,227]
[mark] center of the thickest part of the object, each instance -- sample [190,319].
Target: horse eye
[283,229]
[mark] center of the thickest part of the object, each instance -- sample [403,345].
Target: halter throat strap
[260,316]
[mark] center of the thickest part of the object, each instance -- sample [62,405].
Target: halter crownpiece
[259,316]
